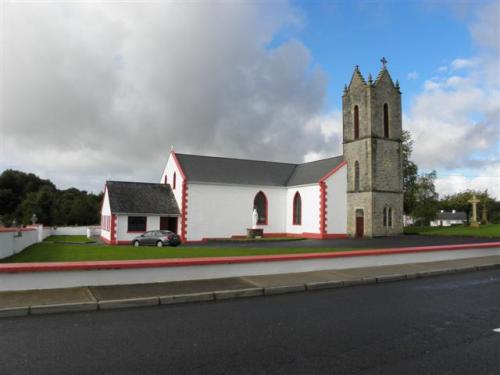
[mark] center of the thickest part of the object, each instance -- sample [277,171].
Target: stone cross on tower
[384,62]
[474,201]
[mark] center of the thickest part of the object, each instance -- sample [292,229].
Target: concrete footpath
[37,302]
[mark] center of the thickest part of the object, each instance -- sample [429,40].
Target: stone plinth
[255,233]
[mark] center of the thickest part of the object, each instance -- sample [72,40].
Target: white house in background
[356,194]
[446,219]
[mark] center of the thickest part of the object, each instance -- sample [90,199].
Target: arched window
[356,122]
[297,209]
[356,176]
[174,180]
[260,204]
[386,120]
[389,217]
[385,217]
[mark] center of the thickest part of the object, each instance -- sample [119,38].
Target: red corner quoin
[156,263]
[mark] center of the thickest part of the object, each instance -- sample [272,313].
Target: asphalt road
[369,243]
[441,325]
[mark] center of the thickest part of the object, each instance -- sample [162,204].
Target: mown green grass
[79,239]
[487,230]
[59,252]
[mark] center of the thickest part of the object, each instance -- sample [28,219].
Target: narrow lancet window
[386,120]
[356,122]
[356,176]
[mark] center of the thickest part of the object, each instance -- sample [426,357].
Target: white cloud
[489,179]
[455,120]
[458,64]
[92,91]
[413,75]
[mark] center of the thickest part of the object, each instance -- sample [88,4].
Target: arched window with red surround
[174,180]
[297,209]
[386,121]
[356,122]
[260,204]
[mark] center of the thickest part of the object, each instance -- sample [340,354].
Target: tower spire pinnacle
[384,62]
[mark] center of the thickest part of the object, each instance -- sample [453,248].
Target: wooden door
[360,223]
[168,223]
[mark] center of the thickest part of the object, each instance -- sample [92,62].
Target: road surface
[441,325]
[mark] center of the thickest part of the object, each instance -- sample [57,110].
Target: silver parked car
[158,238]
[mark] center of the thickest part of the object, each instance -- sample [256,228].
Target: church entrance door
[168,223]
[360,223]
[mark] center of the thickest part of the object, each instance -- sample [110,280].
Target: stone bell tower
[372,130]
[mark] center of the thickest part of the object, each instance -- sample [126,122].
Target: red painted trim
[178,165]
[333,171]
[113,228]
[184,206]
[267,204]
[183,262]
[294,221]
[322,207]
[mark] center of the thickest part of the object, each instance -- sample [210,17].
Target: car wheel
[159,244]
[136,243]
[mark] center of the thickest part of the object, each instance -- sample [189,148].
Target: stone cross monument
[474,201]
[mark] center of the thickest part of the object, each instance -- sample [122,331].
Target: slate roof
[212,169]
[307,173]
[459,215]
[141,198]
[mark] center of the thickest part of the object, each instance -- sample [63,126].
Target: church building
[357,194]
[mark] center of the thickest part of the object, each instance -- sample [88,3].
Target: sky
[97,90]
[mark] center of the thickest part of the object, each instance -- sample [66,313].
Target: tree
[24,194]
[410,174]
[426,203]
[460,202]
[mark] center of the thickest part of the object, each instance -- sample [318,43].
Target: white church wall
[309,195]
[336,210]
[216,211]
[124,236]
[170,168]
[106,212]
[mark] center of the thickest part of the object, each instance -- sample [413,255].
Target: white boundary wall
[66,279]
[12,242]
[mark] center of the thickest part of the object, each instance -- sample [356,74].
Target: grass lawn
[61,252]
[488,230]
[76,239]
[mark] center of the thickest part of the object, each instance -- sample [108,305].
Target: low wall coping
[2,230]
[183,262]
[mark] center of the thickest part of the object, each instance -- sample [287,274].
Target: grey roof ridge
[243,159]
[309,162]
